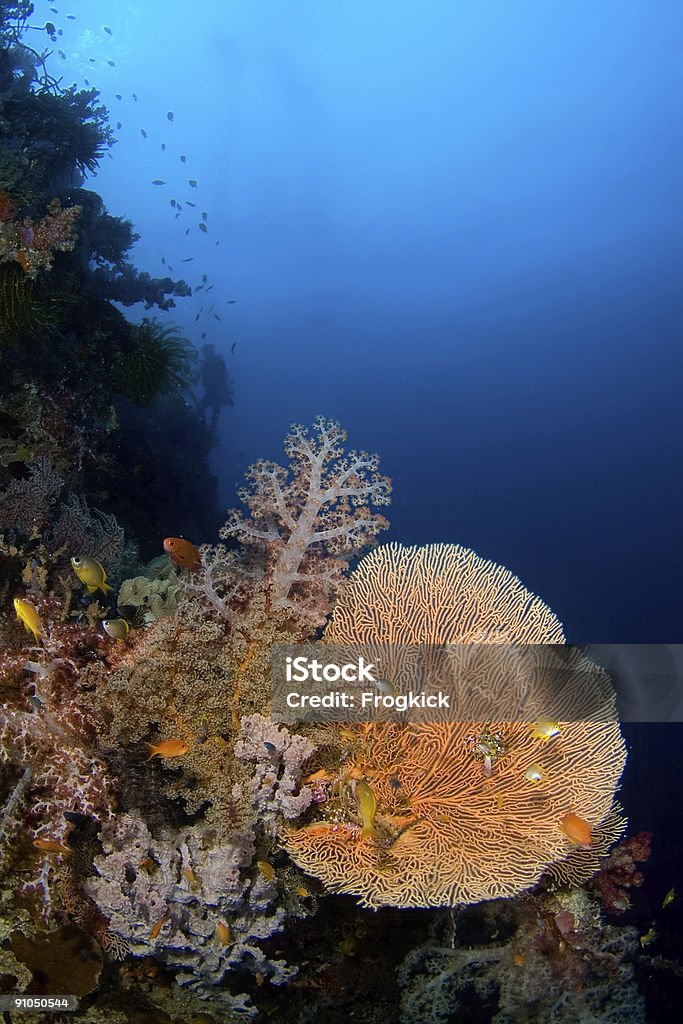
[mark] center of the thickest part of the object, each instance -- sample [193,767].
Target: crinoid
[159,362]
[19,310]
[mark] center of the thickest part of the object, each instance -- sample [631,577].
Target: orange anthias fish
[52,846]
[167,748]
[182,553]
[157,926]
[577,829]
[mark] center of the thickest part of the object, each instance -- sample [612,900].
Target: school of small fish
[199,228]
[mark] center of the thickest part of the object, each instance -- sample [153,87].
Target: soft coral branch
[305,516]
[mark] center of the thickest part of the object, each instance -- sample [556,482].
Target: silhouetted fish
[202,226]
[163,145]
[231,302]
[188,203]
[233,347]
[118,124]
[135,97]
[143,133]
[192,182]
[111,63]
[119,96]
[183,158]
[107,30]
[163,259]
[158,181]
[188,259]
[170,115]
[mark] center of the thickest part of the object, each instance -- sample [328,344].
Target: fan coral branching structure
[449,827]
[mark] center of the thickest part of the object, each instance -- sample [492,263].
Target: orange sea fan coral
[451,828]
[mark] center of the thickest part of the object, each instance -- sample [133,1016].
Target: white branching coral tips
[319,507]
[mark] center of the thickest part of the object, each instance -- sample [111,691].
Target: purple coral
[166,895]
[278,757]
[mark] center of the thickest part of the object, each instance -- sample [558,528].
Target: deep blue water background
[456,227]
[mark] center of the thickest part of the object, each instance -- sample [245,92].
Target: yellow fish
[90,572]
[669,898]
[648,937]
[222,933]
[545,730]
[167,748]
[27,614]
[534,773]
[266,869]
[367,806]
[117,629]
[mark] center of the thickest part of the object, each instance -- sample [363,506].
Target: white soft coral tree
[310,517]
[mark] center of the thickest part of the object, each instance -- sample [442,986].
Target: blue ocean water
[456,228]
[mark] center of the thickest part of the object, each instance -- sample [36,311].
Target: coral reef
[548,958]
[307,517]
[32,244]
[197,908]
[153,594]
[618,872]
[454,825]
[275,789]
[160,361]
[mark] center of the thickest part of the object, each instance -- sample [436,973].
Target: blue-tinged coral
[549,958]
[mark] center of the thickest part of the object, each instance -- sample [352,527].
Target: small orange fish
[183,553]
[320,776]
[52,846]
[167,748]
[157,926]
[222,933]
[577,829]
